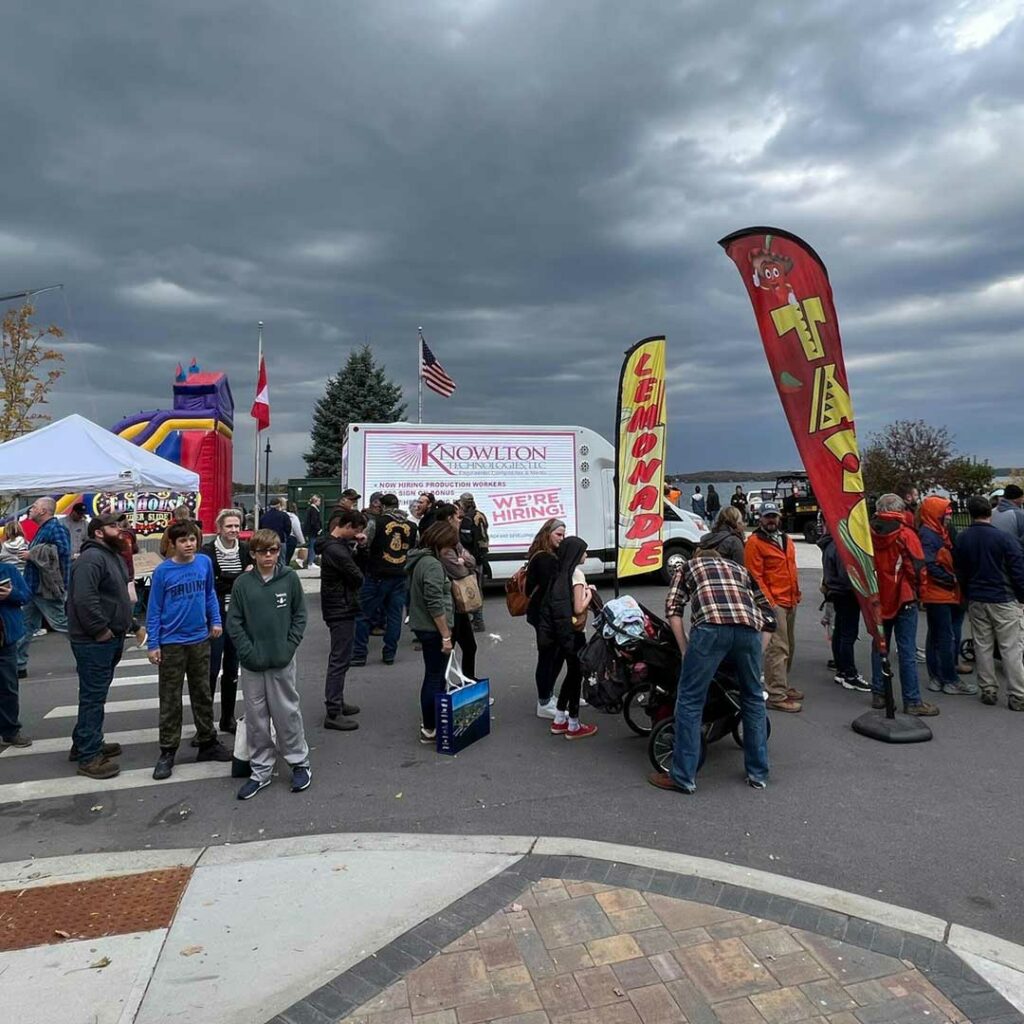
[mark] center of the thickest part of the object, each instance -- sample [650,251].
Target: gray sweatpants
[273,695]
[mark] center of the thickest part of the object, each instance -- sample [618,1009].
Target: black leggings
[550,660]
[463,635]
[572,685]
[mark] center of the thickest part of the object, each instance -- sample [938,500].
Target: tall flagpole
[419,367]
[256,442]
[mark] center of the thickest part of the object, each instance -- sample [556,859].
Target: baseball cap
[98,522]
[466,497]
[376,496]
[79,506]
[389,500]
[351,493]
[769,508]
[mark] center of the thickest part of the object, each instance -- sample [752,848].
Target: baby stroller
[652,662]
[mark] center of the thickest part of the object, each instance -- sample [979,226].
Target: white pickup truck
[519,476]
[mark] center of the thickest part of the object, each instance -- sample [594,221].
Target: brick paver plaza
[586,953]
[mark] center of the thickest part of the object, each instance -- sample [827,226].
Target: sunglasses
[268,551]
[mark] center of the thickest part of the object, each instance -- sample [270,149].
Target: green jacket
[266,620]
[430,592]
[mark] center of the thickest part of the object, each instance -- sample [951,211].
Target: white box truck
[519,476]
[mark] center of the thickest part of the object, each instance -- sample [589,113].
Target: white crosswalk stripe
[75,785]
[62,744]
[114,706]
[134,680]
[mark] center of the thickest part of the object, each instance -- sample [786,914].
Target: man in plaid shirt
[729,614]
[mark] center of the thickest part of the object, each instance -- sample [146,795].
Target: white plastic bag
[454,677]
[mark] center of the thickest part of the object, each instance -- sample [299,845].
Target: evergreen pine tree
[360,392]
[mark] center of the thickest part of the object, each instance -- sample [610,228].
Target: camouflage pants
[178,661]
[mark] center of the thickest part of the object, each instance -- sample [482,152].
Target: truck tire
[674,556]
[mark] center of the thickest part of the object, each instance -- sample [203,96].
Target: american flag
[433,373]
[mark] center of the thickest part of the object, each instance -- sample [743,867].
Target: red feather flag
[792,299]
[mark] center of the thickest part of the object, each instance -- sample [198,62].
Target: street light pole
[266,484]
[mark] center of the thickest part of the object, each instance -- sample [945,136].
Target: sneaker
[301,778]
[349,709]
[581,733]
[858,683]
[1015,704]
[878,702]
[757,783]
[546,710]
[935,686]
[990,697]
[388,660]
[790,707]
[559,728]
[340,723]
[792,694]
[107,750]
[19,739]
[953,689]
[215,751]
[406,621]
[428,736]
[164,765]
[250,788]
[921,710]
[39,633]
[99,767]
[357,663]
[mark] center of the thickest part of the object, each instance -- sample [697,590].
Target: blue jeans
[435,664]
[310,553]
[96,662]
[940,647]
[958,612]
[904,629]
[709,645]
[39,608]
[380,594]
[9,707]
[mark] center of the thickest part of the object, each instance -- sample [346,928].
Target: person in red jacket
[940,595]
[900,565]
[770,559]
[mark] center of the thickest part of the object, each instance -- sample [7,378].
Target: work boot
[215,751]
[792,694]
[349,709]
[164,765]
[790,707]
[921,710]
[107,750]
[878,702]
[990,697]
[340,723]
[99,767]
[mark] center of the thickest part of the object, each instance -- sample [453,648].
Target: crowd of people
[215,607]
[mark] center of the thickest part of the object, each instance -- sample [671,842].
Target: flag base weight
[887,726]
[898,729]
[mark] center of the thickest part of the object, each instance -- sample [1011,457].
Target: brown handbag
[466,595]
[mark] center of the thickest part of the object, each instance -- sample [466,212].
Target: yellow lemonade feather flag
[640,459]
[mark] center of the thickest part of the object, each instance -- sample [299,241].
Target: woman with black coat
[542,565]
[563,617]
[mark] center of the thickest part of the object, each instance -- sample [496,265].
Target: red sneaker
[581,733]
[559,728]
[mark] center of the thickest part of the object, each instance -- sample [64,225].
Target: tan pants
[1001,624]
[778,658]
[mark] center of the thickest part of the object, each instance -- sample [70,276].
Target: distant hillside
[716,476]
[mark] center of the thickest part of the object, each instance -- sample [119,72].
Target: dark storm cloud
[537,184]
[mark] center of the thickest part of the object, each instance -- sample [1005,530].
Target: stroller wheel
[659,746]
[635,709]
[737,731]
[967,650]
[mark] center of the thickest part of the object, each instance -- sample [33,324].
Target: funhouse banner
[789,288]
[640,458]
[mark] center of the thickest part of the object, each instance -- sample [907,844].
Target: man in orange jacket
[770,559]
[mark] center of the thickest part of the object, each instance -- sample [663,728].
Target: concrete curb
[28,874]
[990,947]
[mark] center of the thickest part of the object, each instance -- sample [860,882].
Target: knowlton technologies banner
[519,479]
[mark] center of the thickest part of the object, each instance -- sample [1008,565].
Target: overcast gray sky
[537,182]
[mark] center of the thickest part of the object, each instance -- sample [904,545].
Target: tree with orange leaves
[29,368]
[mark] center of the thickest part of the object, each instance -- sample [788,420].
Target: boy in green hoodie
[266,620]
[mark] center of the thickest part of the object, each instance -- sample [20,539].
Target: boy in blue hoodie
[183,614]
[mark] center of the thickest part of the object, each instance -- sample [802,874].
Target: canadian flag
[260,410]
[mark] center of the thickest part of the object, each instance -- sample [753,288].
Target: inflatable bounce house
[195,433]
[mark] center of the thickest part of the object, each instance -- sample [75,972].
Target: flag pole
[419,368]
[256,443]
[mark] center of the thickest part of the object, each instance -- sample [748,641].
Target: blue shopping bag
[463,711]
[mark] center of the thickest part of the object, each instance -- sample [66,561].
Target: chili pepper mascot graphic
[770,270]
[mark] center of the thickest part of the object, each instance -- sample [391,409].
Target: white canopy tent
[75,455]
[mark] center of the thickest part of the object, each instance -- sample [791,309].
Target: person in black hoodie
[99,616]
[542,564]
[726,536]
[230,558]
[839,592]
[712,504]
[563,618]
[341,580]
